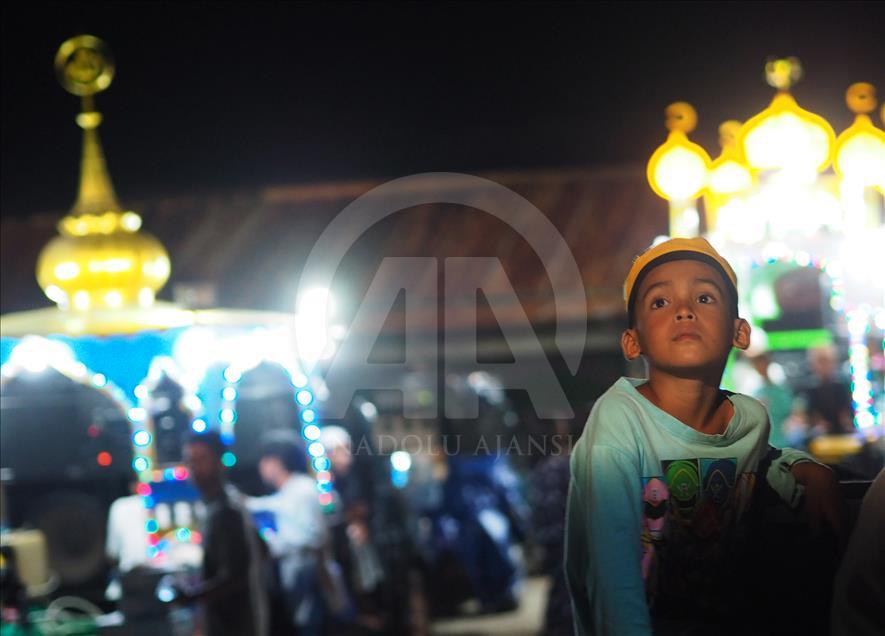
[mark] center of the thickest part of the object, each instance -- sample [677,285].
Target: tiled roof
[253,245]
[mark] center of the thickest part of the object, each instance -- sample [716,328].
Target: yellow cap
[672,250]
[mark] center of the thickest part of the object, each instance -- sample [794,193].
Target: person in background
[351,532]
[859,591]
[548,492]
[778,401]
[231,592]
[830,409]
[300,536]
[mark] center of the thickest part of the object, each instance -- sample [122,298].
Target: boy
[665,470]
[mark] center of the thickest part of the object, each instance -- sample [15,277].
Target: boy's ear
[630,344]
[741,333]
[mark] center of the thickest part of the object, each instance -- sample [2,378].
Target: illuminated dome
[101,260]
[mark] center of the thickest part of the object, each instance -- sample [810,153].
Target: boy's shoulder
[615,414]
[748,407]
[621,397]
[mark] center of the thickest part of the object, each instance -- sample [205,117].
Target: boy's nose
[684,312]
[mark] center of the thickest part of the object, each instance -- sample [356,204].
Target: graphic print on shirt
[654,518]
[715,509]
[684,483]
[688,512]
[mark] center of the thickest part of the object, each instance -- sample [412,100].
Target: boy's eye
[706,299]
[657,303]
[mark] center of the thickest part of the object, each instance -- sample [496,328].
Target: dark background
[214,97]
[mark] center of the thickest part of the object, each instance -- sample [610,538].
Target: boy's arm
[798,478]
[603,545]
[780,475]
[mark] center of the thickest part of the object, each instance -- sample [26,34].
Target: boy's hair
[211,440]
[676,249]
[286,447]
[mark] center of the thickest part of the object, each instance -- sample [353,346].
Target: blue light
[148,502]
[227,439]
[308,416]
[321,463]
[400,479]
[141,463]
[304,397]
[151,526]
[228,459]
[169,474]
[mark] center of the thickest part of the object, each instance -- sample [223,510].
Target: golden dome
[101,260]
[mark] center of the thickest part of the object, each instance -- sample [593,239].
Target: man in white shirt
[300,535]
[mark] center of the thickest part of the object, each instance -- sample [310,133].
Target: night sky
[223,97]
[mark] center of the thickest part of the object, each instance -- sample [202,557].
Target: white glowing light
[199,425]
[67,270]
[313,312]
[661,238]
[865,419]
[194,351]
[232,375]
[686,222]
[146,297]
[110,266]
[299,380]
[56,294]
[680,174]
[861,159]
[227,416]
[137,414]
[401,461]
[141,392]
[81,300]
[741,222]
[113,299]
[730,177]
[369,411]
[130,221]
[35,354]
[99,380]
[311,432]
[141,438]
[763,303]
[304,397]
[786,141]
[316,449]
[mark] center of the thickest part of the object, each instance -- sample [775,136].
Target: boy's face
[684,322]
